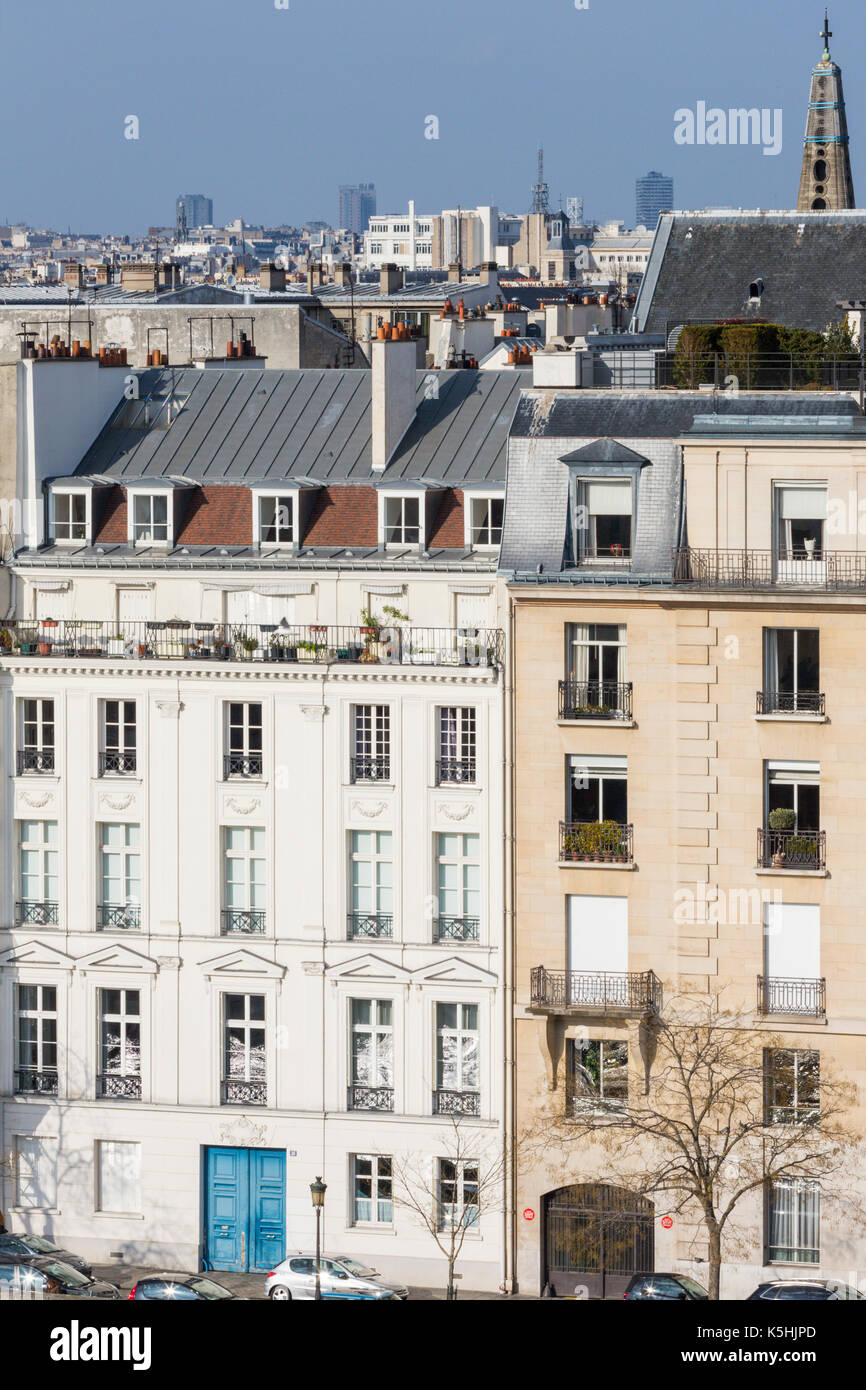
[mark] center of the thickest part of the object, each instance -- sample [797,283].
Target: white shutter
[472,610]
[802,503]
[133,605]
[119,1176]
[249,606]
[608,498]
[53,603]
[37,1172]
[598,934]
[792,941]
[238,607]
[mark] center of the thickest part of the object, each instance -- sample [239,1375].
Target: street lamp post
[317,1192]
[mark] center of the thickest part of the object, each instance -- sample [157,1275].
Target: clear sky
[267,110]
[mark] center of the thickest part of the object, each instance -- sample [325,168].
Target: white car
[339,1277]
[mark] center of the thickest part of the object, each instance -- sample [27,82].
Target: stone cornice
[271,672]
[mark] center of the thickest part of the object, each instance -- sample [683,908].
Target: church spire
[825,182]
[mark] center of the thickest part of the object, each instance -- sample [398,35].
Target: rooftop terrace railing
[767,569]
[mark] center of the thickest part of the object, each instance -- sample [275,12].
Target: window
[792,837]
[791,671]
[597,789]
[458,1193]
[36,734]
[457,1074]
[38,881]
[598,950]
[595,663]
[243,740]
[119,1044]
[70,516]
[603,520]
[485,521]
[276,520]
[402,521]
[793,1085]
[118,754]
[457,743]
[598,1074]
[801,513]
[244,878]
[150,519]
[36,1172]
[793,1221]
[372,1055]
[458,873]
[244,1059]
[372,903]
[371,743]
[792,959]
[36,1042]
[371,1188]
[119,1176]
[120,876]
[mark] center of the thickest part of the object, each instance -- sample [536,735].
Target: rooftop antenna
[540,190]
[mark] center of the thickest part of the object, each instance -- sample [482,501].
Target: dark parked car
[178,1287]
[670,1288]
[46,1276]
[22,1243]
[817,1290]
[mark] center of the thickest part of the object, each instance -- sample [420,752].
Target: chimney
[455,271]
[489,274]
[314,276]
[342,273]
[390,278]
[393,395]
[272,277]
[73,274]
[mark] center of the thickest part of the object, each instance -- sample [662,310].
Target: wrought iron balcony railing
[242,765]
[370,924]
[792,849]
[236,1091]
[126,918]
[789,702]
[455,928]
[806,998]
[600,990]
[762,569]
[607,700]
[35,760]
[248,921]
[599,842]
[32,914]
[114,1085]
[450,771]
[117,761]
[371,1098]
[30,1081]
[370,767]
[456,1102]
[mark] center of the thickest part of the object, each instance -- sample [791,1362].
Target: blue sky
[267,110]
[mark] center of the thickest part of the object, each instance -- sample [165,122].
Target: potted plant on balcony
[782,819]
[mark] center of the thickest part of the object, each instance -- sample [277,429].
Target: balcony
[455,928]
[370,924]
[247,922]
[789,702]
[117,762]
[114,1086]
[454,771]
[456,1102]
[604,701]
[109,918]
[793,849]
[602,991]
[767,569]
[236,1091]
[802,998]
[31,914]
[242,765]
[368,767]
[595,842]
[371,1098]
[38,760]
[29,1081]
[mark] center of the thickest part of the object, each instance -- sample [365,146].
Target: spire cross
[826,33]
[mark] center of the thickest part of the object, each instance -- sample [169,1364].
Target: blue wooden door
[245,1208]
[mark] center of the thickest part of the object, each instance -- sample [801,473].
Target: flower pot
[44,647]
[779,860]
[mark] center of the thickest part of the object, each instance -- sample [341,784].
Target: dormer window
[603,523]
[274,519]
[402,520]
[70,516]
[484,521]
[150,517]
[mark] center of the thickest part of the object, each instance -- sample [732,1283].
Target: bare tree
[720,1111]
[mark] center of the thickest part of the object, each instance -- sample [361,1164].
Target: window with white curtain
[595,664]
[371,1188]
[36,1172]
[793,1221]
[119,1176]
[801,514]
[603,519]
[371,1061]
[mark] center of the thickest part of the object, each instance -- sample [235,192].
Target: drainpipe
[507,989]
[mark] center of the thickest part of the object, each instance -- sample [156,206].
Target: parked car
[44,1275]
[338,1278]
[172,1288]
[664,1287]
[818,1290]
[22,1243]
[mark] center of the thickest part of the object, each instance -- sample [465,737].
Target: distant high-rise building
[654,194]
[574,211]
[197,209]
[825,180]
[357,206]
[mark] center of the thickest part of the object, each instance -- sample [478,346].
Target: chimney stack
[390,278]
[393,395]
[489,274]
[342,273]
[73,274]
[314,276]
[455,271]
[272,277]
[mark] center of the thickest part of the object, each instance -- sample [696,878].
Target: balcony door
[791,669]
[597,948]
[792,943]
[800,517]
[795,787]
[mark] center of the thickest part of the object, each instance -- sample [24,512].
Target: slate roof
[267,426]
[603,451]
[660,414]
[702,264]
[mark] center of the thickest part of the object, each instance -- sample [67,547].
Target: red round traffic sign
[667,1222]
[528,1214]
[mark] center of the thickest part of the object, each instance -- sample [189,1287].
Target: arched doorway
[597,1237]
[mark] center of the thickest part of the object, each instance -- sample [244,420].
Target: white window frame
[458,744]
[128,852]
[107,1160]
[41,1014]
[375,858]
[380,1036]
[42,847]
[133,494]
[69,493]
[371,743]
[40,747]
[462,1034]
[44,1170]
[375,1179]
[124,1018]
[246,1025]
[462,862]
[402,495]
[469,1212]
[586,538]
[121,748]
[470,498]
[278,495]
[250,887]
[246,752]
[801,1193]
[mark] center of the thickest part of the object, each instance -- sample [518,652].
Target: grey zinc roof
[266,426]
[660,414]
[603,451]
[702,264]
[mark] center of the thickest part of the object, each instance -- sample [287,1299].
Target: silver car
[339,1277]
